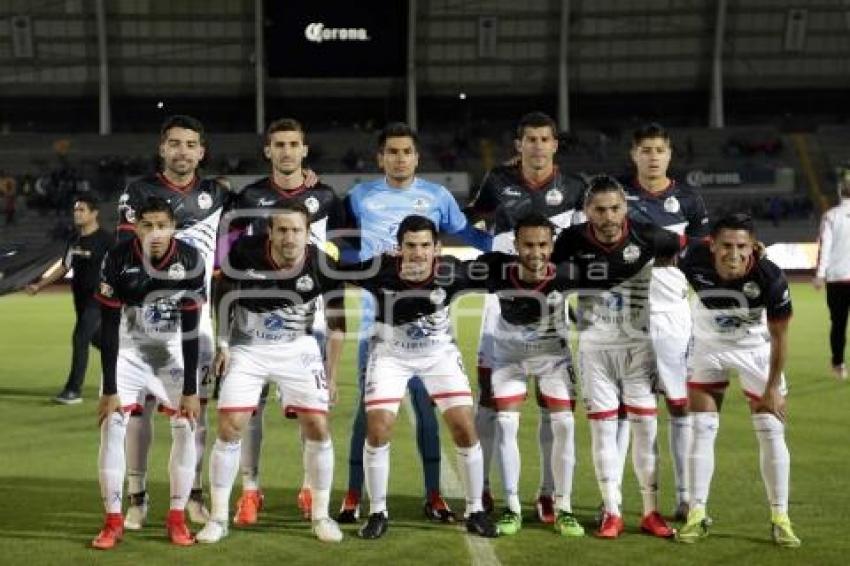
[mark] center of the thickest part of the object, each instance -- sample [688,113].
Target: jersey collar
[137,250]
[415,284]
[612,246]
[182,189]
[513,273]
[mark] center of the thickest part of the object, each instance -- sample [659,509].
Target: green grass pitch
[51,509]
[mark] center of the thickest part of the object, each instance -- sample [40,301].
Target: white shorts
[490,313]
[554,376]
[150,369]
[441,373]
[617,376]
[671,335]
[296,368]
[711,365]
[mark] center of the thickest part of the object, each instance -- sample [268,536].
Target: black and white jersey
[275,305]
[532,318]
[84,256]
[326,210]
[734,313]
[506,196]
[152,293]
[614,279]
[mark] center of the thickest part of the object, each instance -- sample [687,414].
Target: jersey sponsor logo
[751,289]
[266,202]
[614,301]
[702,280]
[132,270]
[205,201]
[106,290]
[671,205]
[511,192]
[312,204]
[554,197]
[438,295]
[274,322]
[304,284]
[252,273]
[631,253]
[153,314]
[318,33]
[177,272]
[416,332]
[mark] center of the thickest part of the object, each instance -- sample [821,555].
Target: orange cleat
[655,525]
[545,509]
[612,526]
[305,502]
[178,532]
[436,509]
[111,534]
[248,507]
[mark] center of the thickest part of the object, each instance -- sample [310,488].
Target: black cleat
[479,523]
[375,527]
[68,398]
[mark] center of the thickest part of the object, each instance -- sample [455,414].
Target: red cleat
[178,532]
[612,526]
[655,525]
[546,509]
[436,509]
[248,507]
[305,503]
[111,534]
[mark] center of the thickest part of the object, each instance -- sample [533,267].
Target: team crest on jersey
[304,284]
[671,205]
[312,204]
[631,253]
[751,289]
[420,204]
[554,197]
[438,295]
[106,290]
[554,298]
[205,201]
[176,272]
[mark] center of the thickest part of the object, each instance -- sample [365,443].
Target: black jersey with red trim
[734,312]
[505,196]
[678,208]
[152,292]
[614,278]
[326,209]
[275,305]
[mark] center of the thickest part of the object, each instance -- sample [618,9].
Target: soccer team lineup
[615,296]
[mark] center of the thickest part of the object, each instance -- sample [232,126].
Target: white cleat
[136,516]
[212,532]
[198,512]
[326,530]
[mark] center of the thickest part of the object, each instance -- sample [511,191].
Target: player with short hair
[655,198]
[152,287]
[375,209]
[614,256]
[197,204]
[741,311]
[278,279]
[507,194]
[412,337]
[286,148]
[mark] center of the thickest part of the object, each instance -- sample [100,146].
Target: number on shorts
[321,380]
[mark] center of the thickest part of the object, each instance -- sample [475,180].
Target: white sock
[623,437]
[645,458]
[181,463]
[200,447]
[319,471]
[224,464]
[471,465]
[563,458]
[509,459]
[252,441]
[485,425]
[139,440]
[603,434]
[111,462]
[680,445]
[376,468]
[545,439]
[701,459]
[775,460]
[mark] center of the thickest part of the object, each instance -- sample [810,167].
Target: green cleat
[509,523]
[695,528]
[783,534]
[566,525]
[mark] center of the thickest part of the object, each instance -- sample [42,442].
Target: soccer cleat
[376,526]
[509,523]
[487,501]
[479,523]
[305,502]
[68,398]
[654,524]
[178,532]
[567,525]
[248,507]
[111,533]
[782,533]
[349,512]
[680,515]
[198,512]
[695,528]
[840,372]
[612,526]
[212,532]
[545,509]
[326,530]
[436,509]
[137,512]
